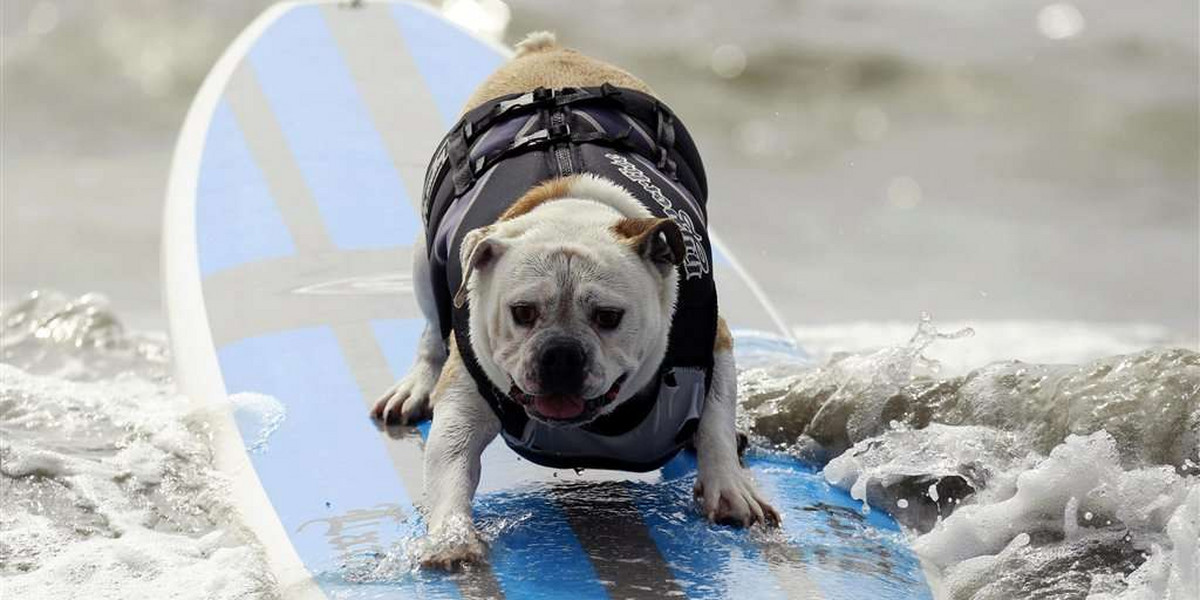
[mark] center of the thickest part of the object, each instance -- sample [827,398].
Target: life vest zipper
[562,152]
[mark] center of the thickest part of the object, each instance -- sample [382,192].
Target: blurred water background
[1008,160]
[1025,168]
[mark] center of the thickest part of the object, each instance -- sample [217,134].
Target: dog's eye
[607,318]
[524,314]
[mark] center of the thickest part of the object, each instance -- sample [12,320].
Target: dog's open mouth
[560,407]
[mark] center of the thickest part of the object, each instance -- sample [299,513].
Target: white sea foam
[1013,479]
[107,477]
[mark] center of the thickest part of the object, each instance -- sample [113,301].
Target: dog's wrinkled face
[571,306]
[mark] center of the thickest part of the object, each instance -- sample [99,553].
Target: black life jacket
[492,157]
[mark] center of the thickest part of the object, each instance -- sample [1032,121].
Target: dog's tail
[537,41]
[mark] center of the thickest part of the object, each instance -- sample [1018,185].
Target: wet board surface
[291,214]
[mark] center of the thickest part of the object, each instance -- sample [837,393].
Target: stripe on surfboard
[331,519]
[405,116]
[451,62]
[231,189]
[315,101]
[608,524]
[844,548]
[272,156]
[296,292]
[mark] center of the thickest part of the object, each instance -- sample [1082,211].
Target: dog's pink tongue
[559,407]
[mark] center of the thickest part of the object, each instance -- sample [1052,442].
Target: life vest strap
[453,154]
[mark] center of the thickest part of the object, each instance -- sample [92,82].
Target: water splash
[821,411]
[1074,480]
[79,339]
[927,334]
[258,416]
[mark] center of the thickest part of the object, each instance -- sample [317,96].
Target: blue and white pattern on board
[337,148]
[237,221]
[452,64]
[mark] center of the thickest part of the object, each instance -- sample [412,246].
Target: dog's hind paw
[409,400]
[731,498]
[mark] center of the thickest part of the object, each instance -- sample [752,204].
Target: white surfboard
[291,215]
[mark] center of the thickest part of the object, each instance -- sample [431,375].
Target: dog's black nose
[562,367]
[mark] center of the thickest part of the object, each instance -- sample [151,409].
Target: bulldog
[566,282]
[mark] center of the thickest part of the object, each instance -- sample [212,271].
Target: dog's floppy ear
[480,250]
[656,240]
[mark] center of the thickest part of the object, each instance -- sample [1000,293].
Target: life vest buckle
[558,131]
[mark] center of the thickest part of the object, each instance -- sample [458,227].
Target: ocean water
[107,478]
[1015,479]
[1011,479]
[999,160]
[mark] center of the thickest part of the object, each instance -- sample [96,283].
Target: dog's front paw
[451,554]
[728,497]
[409,400]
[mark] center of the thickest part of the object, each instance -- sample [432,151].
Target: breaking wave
[109,488]
[1015,480]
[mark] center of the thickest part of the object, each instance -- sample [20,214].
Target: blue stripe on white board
[543,538]
[398,339]
[325,461]
[872,562]
[452,62]
[237,221]
[708,561]
[340,154]
[533,531]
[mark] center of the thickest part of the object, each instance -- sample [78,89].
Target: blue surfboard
[291,216]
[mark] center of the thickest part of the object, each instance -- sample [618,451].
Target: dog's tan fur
[553,189]
[634,231]
[541,62]
[450,371]
[724,341]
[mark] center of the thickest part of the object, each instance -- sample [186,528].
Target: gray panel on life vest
[653,438]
